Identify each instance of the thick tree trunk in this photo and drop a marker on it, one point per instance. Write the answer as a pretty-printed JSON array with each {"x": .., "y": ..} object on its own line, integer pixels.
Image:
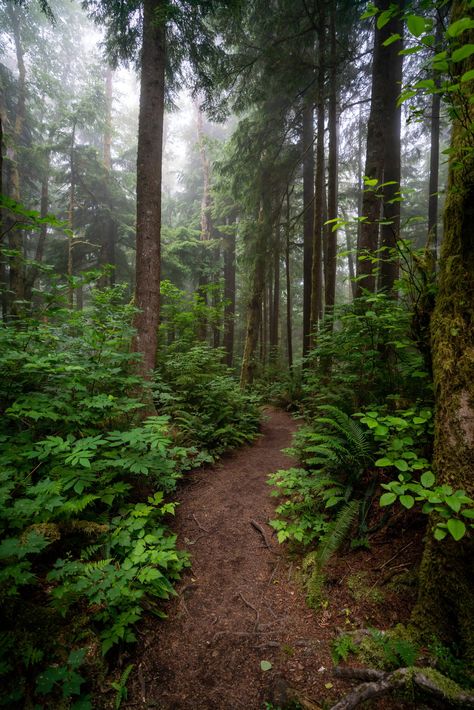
[
  {"x": 390, "y": 227},
  {"x": 317, "y": 262},
  {"x": 109, "y": 75},
  {"x": 308, "y": 220},
  {"x": 275, "y": 311},
  {"x": 331, "y": 239},
  {"x": 255, "y": 304},
  {"x": 432, "y": 240},
  {"x": 369, "y": 230},
  {"x": 15, "y": 237},
  {"x": 289, "y": 324},
  {"x": 206, "y": 222},
  {"x": 149, "y": 169},
  {"x": 33, "y": 271},
  {"x": 229, "y": 297},
  {"x": 107, "y": 252},
  {"x": 446, "y": 596}
]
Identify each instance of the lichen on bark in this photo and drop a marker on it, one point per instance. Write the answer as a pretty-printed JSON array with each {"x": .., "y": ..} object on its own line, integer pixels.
[{"x": 445, "y": 603}]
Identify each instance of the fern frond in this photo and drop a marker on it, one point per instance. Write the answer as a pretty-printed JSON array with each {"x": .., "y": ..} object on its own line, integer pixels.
[{"x": 336, "y": 534}]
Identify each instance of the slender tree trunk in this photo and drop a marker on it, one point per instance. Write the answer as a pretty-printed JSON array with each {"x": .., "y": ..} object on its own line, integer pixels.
[
  {"x": 390, "y": 227},
  {"x": 109, "y": 75},
  {"x": 3, "y": 275},
  {"x": 15, "y": 237},
  {"x": 254, "y": 308},
  {"x": 149, "y": 169},
  {"x": 229, "y": 296},
  {"x": 330, "y": 272},
  {"x": 316, "y": 267},
  {"x": 445, "y": 605},
  {"x": 432, "y": 240},
  {"x": 274, "y": 334},
  {"x": 206, "y": 222},
  {"x": 107, "y": 252},
  {"x": 369, "y": 230},
  {"x": 33, "y": 271},
  {"x": 308, "y": 220},
  {"x": 72, "y": 198},
  {"x": 289, "y": 328}
]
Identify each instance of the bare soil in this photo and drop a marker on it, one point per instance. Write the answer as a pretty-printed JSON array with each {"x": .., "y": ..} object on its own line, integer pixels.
[{"x": 242, "y": 601}]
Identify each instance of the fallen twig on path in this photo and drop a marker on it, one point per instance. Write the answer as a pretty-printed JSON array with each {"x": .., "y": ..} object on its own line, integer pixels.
[
  {"x": 199, "y": 524},
  {"x": 259, "y": 528},
  {"x": 251, "y": 606},
  {"x": 395, "y": 555}
]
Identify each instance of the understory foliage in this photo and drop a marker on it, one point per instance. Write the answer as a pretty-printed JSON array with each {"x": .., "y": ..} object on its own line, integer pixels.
[{"x": 84, "y": 483}]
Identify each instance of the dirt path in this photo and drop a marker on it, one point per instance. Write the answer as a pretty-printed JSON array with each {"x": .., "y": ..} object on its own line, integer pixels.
[{"x": 237, "y": 605}]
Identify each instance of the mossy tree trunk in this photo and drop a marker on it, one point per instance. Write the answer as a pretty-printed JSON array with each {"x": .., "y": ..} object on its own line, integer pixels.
[{"x": 445, "y": 603}]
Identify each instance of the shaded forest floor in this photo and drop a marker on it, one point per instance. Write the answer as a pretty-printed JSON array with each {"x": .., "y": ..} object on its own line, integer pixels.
[{"x": 241, "y": 601}]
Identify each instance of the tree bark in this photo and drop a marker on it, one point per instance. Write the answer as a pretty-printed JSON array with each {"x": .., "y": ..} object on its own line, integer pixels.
[
  {"x": 229, "y": 297},
  {"x": 33, "y": 271},
  {"x": 15, "y": 237},
  {"x": 316, "y": 267},
  {"x": 445, "y": 603},
  {"x": 289, "y": 325},
  {"x": 369, "y": 230},
  {"x": 206, "y": 222},
  {"x": 308, "y": 220},
  {"x": 432, "y": 240},
  {"x": 390, "y": 227},
  {"x": 274, "y": 331},
  {"x": 330, "y": 262},
  {"x": 255, "y": 304},
  {"x": 72, "y": 197},
  {"x": 149, "y": 170}
]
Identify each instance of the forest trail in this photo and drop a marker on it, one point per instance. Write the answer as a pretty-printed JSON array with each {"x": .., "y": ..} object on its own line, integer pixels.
[{"x": 237, "y": 604}]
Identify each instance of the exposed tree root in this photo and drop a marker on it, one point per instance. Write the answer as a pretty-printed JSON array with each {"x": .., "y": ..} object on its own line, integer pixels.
[{"x": 445, "y": 693}]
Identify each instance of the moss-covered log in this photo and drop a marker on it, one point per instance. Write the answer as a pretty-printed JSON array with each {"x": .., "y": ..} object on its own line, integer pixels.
[{"x": 446, "y": 597}]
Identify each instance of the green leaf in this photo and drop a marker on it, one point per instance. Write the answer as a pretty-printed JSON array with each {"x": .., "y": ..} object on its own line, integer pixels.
[
  {"x": 427, "y": 479},
  {"x": 462, "y": 53},
  {"x": 439, "y": 533},
  {"x": 467, "y": 76},
  {"x": 401, "y": 464},
  {"x": 457, "y": 528},
  {"x": 266, "y": 665},
  {"x": 387, "y": 499},
  {"x": 407, "y": 501},
  {"x": 384, "y": 18},
  {"x": 416, "y": 25},
  {"x": 384, "y": 461},
  {"x": 393, "y": 38},
  {"x": 469, "y": 513},
  {"x": 454, "y": 503},
  {"x": 458, "y": 27}
]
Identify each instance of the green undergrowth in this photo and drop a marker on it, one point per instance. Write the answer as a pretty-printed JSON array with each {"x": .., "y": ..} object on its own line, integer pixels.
[{"x": 85, "y": 487}]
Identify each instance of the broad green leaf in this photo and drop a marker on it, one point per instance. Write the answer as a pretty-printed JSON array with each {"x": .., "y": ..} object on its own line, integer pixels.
[
  {"x": 387, "y": 499},
  {"x": 401, "y": 464},
  {"x": 416, "y": 25},
  {"x": 469, "y": 513},
  {"x": 393, "y": 38},
  {"x": 462, "y": 53},
  {"x": 384, "y": 18},
  {"x": 384, "y": 462},
  {"x": 439, "y": 533},
  {"x": 458, "y": 27},
  {"x": 427, "y": 479},
  {"x": 457, "y": 528},
  {"x": 266, "y": 665},
  {"x": 467, "y": 76},
  {"x": 407, "y": 501},
  {"x": 454, "y": 503}
]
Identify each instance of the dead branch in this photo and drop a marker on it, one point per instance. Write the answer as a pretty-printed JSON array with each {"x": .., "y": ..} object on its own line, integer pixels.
[
  {"x": 381, "y": 683},
  {"x": 199, "y": 524},
  {"x": 259, "y": 528},
  {"x": 257, "y": 613}
]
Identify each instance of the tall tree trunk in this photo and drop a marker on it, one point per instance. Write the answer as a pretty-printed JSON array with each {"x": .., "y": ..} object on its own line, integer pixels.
[
  {"x": 330, "y": 271},
  {"x": 107, "y": 251},
  {"x": 3, "y": 274},
  {"x": 206, "y": 222},
  {"x": 432, "y": 240},
  {"x": 308, "y": 220},
  {"x": 255, "y": 304},
  {"x": 33, "y": 271},
  {"x": 316, "y": 267},
  {"x": 369, "y": 230},
  {"x": 445, "y": 605},
  {"x": 275, "y": 311},
  {"x": 15, "y": 237},
  {"x": 229, "y": 296},
  {"x": 390, "y": 227},
  {"x": 72, "y": 198},
  {"x": 289, "y": 328},
  {"x": 149, "y": 170}
]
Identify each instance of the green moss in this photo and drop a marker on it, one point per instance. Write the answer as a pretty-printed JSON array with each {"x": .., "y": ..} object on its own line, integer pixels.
[{"x": 361, "y": 590}]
